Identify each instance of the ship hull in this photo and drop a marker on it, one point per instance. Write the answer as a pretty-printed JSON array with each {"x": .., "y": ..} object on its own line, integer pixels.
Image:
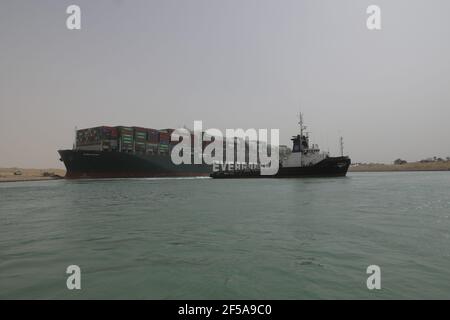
[
  {"x": 329, "y": 167},
  {"x": 106, "y": 164}
]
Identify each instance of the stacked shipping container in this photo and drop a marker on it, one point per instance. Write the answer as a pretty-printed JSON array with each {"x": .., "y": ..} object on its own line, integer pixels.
[
  {"x": 98, "y": 138},
  {"x": 124, "y": 139},
  {"x": 164, "y": 140},
  {"x": 91, "y": 136},
  {"x": 140, "y": 139},
  {"x": 152, "y": 141},
  {"x": 127, "y": 139},
  {"x": 109, "y": 138}
]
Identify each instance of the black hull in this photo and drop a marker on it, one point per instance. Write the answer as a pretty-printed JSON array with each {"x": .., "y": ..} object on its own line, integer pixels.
[
  {"x": 329, "y": 167},
  {"x": 107, "y": 164}
]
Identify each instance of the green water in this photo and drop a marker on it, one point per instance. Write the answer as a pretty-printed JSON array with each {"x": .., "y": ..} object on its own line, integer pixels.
[{"x": 237, "y": 239}]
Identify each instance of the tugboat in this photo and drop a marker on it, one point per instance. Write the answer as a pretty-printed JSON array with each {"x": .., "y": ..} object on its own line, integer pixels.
[{"x": 305, "y": 160}]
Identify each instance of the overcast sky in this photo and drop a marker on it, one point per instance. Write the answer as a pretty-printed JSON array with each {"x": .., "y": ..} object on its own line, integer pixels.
[{"x": 232, "y": 64}]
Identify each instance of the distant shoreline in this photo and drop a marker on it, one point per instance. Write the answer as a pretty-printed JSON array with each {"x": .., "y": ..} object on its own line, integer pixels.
[
  {"x": 27, "y": 175},
  {"x": 20, "y": 174},
  {"x": 413, "y": 166}
]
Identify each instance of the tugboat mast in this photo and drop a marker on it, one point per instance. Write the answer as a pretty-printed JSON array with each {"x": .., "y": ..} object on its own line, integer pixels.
[
  {"x": 300, "y": 123},
  {"x": 302, "y": 127}
]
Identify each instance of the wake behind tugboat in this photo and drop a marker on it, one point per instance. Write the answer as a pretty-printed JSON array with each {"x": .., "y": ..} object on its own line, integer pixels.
[{"x": 304, "y": 160}]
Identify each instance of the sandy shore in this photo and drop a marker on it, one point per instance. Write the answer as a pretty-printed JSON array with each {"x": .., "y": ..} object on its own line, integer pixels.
[
  {"x": 413, "y": 166},
  {"x": 19, "y": 174}
]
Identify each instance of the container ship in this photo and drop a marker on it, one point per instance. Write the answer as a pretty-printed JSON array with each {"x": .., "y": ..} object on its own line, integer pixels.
[
  {"x": 136, "y": 152},
  {"x": 125, "y": 152}
]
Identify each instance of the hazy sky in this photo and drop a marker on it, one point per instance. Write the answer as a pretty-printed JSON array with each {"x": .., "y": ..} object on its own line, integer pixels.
[{"x": 232, "y": 64}]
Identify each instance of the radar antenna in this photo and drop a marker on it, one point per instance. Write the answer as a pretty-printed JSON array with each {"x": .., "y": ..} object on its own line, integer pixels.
[
  {"x": 302, "y": 128},
  {"x": 300, "y": 123}
]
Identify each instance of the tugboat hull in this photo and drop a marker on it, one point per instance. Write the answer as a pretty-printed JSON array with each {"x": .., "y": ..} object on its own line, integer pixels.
[{"x": 329, "y": 167}]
